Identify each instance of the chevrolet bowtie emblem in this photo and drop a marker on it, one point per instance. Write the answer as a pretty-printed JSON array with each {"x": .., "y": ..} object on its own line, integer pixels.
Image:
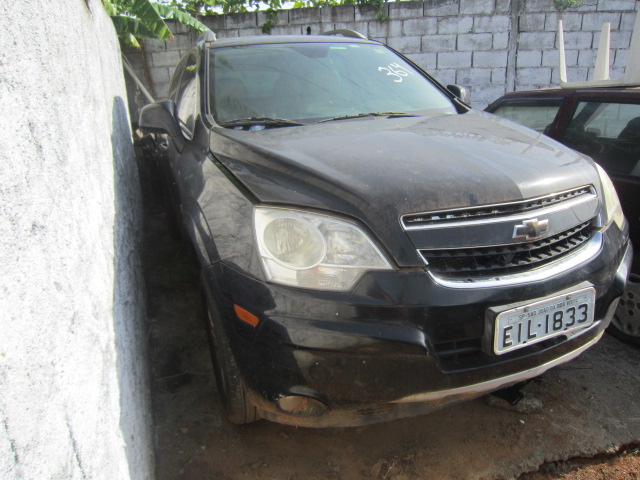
[{"x": 531, "y": 229}]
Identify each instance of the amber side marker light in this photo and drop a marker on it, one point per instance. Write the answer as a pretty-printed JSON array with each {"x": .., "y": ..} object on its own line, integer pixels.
[{"x": 246, "y": 316}]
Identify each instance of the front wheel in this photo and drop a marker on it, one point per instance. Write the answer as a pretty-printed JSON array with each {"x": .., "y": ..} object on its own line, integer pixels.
[
  {"x": 231, "y": 387},
  {"x": 625, "y": 324}
]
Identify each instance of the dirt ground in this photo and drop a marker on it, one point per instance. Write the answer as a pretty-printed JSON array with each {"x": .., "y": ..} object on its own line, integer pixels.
[
  {"x": 582, "y": 409},
  {"x": 623, "y": 465}
]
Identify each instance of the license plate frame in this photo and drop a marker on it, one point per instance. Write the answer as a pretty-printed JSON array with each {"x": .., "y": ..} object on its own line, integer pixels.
[{"x": 521, "y": 326}]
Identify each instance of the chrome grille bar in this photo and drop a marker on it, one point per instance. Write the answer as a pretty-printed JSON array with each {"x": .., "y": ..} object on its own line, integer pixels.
[
  {"x": 425, "y": 220},
  {"x": 508, "y": 259}
]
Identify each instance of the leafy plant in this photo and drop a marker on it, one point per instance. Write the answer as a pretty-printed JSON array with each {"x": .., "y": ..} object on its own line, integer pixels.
[
  {"x": 562, "y": 5},
  {"x": 134, "y": 19},
  {"x": 212, "y": 7},
  {"x": 378, "y": 5},
  {"x": 268, "y": 25}
]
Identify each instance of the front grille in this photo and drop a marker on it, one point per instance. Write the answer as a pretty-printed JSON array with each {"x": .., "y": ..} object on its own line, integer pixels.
[
  {"x": 424, "y": 220},
  {"x": 507, "y": 259},
  {"x": 457, "y": 349},
  {"x": 468, "y": 354}
]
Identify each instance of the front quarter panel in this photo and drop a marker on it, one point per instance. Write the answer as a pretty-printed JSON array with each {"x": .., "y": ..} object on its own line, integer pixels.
[
  {"x": 215, "y": 212},
  {"x": 229, "y": 214}
]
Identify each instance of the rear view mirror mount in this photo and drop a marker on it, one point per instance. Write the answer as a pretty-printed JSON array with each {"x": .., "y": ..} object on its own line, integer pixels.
[{"x": 462, "y": 93}]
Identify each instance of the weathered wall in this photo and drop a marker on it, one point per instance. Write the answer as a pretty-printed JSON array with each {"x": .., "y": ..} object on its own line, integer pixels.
[
  {"x": 492, "y": 46},
  {"x": 74, "y": 389}
]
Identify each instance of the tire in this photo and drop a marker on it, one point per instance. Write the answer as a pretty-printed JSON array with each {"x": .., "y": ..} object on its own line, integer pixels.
[
  {"x": 625, "y": 324},
  {"x": 231, "y": 387}
]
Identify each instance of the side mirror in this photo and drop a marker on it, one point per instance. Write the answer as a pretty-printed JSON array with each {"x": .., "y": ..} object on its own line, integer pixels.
[
  {"x": 160, "y": 117},
  {"x": 463, "y": 93}
]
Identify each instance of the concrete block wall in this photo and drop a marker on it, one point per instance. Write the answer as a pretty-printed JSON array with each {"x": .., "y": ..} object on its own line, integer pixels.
[
  {"x": 491, "y": 46},
  {"x": 74, "y": 384}
]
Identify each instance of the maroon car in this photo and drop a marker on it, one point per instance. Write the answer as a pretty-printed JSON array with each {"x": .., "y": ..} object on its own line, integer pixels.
[{"x": 603, "y": 123}]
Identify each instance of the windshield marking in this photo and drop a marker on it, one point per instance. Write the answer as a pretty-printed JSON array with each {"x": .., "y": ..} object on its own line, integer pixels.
[{"x": 393, "y": 69}]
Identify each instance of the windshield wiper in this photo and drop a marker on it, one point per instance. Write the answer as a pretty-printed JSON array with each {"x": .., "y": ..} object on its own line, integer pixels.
[
  {"x": 370, "y": 114},
  {"x": 266, "y": 121}
]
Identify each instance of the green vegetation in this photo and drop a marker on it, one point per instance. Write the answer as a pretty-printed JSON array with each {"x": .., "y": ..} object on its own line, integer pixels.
[
  {"x": 211, "y": 7},
  {"x": 136, "y": 19},
  {"x": 562, "y": 5}
]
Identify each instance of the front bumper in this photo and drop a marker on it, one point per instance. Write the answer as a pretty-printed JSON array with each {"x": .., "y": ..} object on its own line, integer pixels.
[{"x": 398, "y": 345}]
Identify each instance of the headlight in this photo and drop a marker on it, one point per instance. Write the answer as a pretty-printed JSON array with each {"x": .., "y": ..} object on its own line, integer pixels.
[
  {"x": 314, "y": 251},
  {"x": 613, "y": 210}
]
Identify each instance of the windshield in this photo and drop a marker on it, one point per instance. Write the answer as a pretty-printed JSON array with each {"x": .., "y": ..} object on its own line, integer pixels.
[{"x": 306, "y": 82}]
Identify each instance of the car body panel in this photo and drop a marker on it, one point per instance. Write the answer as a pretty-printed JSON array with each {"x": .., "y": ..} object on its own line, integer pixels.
[
  {"x": 389, "y": 340},
  {"x": 376, "y": 170}
]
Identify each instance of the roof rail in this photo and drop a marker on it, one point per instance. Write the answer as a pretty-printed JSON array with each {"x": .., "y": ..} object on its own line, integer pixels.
[
  {"x": 345, "y": 32},
  {"x": 601, "y": 76}
]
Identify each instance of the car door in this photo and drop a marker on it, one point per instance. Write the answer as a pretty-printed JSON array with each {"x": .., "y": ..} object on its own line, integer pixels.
[
  {"x": 184, "y": 92},
  {"x": 539, "y": 114},
  {"x": 608, "y": 130}
]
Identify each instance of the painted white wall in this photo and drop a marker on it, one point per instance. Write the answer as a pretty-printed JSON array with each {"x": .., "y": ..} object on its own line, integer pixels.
[{"x": 74, "y": 387}]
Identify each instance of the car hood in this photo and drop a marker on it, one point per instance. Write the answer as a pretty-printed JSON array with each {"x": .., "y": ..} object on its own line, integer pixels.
[{"x": 377, "y": 169}]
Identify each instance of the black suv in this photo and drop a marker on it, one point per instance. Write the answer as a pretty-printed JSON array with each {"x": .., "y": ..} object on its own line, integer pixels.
[{"x": 371, "y": 247}]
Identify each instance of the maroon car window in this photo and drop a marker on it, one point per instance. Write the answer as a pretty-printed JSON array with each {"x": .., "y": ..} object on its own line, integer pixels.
[
  {"x": 609, "y": 133},
  {"x": 535, "y": 115}
]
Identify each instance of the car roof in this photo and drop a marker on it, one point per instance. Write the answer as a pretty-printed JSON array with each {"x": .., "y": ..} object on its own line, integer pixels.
[
  {"x": 557, "y": 91},
  {"x": 276, "y": 39}
]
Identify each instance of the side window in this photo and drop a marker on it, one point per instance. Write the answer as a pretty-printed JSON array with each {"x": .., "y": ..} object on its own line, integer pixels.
[
  {"x": 187, "y": 106},
  {"x": 536, "y": 115},
  {"x": 187, "y": 96},
  {"x": 609, "y": 132},
  {"x": 176, "y": 77}
]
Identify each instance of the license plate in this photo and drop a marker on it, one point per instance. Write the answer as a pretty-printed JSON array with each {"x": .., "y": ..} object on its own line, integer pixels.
[{"x": 533, "y": 323}]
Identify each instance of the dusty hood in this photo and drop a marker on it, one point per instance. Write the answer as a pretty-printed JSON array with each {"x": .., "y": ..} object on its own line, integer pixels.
[{"x": 377, "y": 169}]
